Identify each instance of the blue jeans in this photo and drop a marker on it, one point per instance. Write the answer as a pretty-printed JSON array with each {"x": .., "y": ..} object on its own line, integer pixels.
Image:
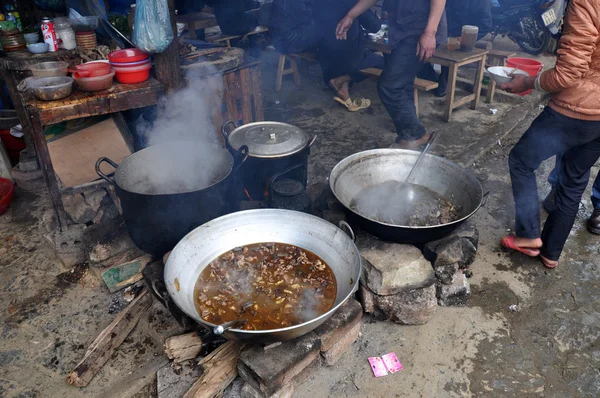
[
  {"x": 553, "y": 179},
  {"x": 552, "y": 133},
  {"x": 395, "y": 87}
]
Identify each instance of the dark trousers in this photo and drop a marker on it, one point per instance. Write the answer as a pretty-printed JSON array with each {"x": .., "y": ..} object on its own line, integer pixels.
[
  {"x": 552, "y": 133},
  {"x": 395, "y": 87},
  {"x": 553, "y": 178}
]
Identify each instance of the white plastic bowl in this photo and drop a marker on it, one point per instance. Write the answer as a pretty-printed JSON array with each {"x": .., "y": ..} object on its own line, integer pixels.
[{"x": 500, "y": 74}]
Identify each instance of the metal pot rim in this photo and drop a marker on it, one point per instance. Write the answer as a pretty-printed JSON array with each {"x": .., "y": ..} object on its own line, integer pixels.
[
  {"x": 172, "y": 143},
  {"x": 316, "y": 219},
  {"x": 384, "y": 151}
]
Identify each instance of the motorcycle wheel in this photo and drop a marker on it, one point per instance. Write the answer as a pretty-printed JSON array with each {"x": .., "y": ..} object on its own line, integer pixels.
[{"x": 535, "y": 38}]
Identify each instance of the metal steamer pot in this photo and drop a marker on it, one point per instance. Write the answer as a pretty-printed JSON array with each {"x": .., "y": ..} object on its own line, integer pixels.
[
  {"x": 167, "y": 190},
  {"x": 206, "y": 243},
  {"x": 273, "y": 147},
  {"x": 376, "y": 166}
]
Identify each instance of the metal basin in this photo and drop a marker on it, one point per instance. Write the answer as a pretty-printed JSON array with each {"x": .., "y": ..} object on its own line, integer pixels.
[
  {"x": 440, "y": 175},
  {"x": 197, "y": 249}
]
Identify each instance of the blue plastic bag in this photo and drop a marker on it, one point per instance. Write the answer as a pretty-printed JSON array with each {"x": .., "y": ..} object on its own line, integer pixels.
[{"x": 152, "y": 31}]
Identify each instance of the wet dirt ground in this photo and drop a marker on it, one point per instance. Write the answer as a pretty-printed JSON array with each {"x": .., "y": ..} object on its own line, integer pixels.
[{"x": 549, "y": 347}]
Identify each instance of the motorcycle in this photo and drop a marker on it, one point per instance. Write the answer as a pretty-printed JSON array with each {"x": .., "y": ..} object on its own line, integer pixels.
[{"x": 530, "y": 23}]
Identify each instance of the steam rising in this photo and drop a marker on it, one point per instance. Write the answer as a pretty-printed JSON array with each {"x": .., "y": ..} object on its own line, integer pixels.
[{"x": 184, "y": 153}]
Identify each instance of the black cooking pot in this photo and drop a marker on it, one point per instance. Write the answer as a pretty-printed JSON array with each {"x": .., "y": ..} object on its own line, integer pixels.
[
  {"x": 272, "y": 148},
  {"x": 169, "y": 189}
]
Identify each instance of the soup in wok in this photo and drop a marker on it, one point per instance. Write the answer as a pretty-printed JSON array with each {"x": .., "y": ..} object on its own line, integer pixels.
[{"x": 270, "y": 285}]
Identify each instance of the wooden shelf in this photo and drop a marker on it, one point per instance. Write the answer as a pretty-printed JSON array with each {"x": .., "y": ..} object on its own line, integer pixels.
[{"x": 120, "y": 97}]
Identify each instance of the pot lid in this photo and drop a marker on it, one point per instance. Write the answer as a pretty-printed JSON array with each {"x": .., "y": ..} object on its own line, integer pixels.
[{"x": 269, "y": 139}]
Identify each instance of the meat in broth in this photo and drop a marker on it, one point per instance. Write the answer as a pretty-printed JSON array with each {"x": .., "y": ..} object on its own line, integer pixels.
[{"x": 271, "y": 285}]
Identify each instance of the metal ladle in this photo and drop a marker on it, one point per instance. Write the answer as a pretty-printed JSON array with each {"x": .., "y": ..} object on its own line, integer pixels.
[{"x": 407, "y": 188}]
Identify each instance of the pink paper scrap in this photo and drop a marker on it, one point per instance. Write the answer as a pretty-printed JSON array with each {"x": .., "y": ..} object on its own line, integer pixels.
[
  {"x": 391, "y": 362},
  {"x": 377, "y": 366}
]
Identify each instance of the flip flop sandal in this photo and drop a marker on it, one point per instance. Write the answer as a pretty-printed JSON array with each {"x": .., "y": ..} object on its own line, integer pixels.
[
  {"x": 547, "y": 264},
  {"x": 355, "y": 105},
  {"x": 508, "y": 242}
]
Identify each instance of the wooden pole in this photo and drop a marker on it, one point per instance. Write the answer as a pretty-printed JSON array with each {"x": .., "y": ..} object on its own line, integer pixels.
[{"x": 168, "y": 70}]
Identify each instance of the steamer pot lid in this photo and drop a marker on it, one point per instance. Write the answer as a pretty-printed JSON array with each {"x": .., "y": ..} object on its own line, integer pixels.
[{"x": 269, "y": 139}]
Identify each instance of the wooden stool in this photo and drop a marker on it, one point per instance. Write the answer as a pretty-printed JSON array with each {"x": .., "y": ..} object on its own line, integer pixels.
[
  {"x": 454, "y": 60},
  {"x": 420, "y": 84},
  {"x": 496, "y": 58},
  {"x": 282, "y": 71}
]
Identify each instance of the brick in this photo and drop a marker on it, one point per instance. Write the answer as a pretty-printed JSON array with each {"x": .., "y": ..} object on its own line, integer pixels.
[
  {"x": 342, "y": 321},
  {"x": 339, "y": 348},
  {"x": 268, "y": 371}
]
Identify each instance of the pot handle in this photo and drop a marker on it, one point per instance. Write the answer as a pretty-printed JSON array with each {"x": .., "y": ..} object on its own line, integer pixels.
[
  {"x": 224, "y": 128},
  {"x": 100, "y": 173},
  {"x": 312, "y": 141},
  {"x": 485, "y": 198},
  {"x": 242, "y": 154},
  {"x": 344, "y": 226}
]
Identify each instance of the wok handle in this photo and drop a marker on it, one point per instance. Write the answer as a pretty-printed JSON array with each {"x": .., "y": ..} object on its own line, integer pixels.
[
  {"x": 485, "y": 198},
  {"x": 224, "y": 128},
  {"x": 100, "y": 173},
  {"x": 220, "y": 329},
  {"x": 312, "y": 141},
  {"x": 242, "y": 154},
  {"x": 344, "y": 226}
]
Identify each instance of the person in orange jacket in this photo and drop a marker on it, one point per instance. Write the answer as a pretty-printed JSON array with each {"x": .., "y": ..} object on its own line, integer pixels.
[{"x": 569, "y": 125}]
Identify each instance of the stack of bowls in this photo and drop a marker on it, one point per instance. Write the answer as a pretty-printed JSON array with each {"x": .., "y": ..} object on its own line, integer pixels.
[
  {"x": 93, "y": 76},
  {"x": 131, "y": 65},
  {"x": 12, "y": 40},
  {"x": 86, "y": 40}
]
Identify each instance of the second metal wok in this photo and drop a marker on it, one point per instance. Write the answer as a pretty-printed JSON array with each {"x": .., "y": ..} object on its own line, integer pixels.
[
  {"x": 201, "y": 246},
  {"x": 440, "y": 175}
]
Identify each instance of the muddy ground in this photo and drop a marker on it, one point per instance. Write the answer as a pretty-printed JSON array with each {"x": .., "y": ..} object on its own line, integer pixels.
[{"x": 549, "y": 347}]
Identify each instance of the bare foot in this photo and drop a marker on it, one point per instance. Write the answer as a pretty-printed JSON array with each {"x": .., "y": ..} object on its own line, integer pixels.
[
  {"x": 549, "y": 263},
  {"x": 528, "y": 243},
  {"x": 404, "y": 144},
  {"x": 341, "y": 86}
]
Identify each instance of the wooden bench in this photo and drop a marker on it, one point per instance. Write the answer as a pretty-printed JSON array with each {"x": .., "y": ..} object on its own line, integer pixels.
[
  {"x": 420, "y": 84},
  {"x": 496, "y": 58},
  {"x": 223, "y": 38}
]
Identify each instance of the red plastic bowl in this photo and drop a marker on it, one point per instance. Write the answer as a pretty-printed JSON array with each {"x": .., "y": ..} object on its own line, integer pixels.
[
  {"x": 6, "y": 193},
  {"x": 128, "y": 55},
  {"x": 133, "y": 75},
  {"x": 528, "y": 65},
  {"x": 91, "y": 70}
]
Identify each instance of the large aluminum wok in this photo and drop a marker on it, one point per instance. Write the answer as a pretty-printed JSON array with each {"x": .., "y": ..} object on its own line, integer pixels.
[
  {"x": 376, "y": 166},
  {"x": 197, "y": 249}
]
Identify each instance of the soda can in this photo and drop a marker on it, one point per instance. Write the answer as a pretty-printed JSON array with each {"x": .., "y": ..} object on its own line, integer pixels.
[{"x": 49, "y": 34}]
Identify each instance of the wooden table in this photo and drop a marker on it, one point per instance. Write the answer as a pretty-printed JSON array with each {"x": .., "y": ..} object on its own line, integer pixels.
[
  {"x": 120, "y": 97},
  {"x": 14, "y": 67},
  {"x": 197, "y": 20},
  {"x": 454, "y": 60}
]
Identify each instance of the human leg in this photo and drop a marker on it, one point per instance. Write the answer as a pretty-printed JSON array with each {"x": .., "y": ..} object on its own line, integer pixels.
[
  {"x": 573, "y": 179},
  {"x": 395, "y": 87}
]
